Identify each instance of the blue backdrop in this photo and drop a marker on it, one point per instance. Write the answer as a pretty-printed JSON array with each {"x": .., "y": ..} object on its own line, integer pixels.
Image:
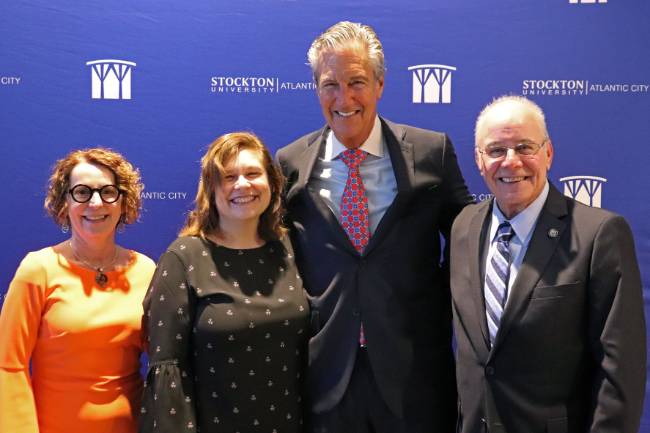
[{"x": 159, "y": 80}]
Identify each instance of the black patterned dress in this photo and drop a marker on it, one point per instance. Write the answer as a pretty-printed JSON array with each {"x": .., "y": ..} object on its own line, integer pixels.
[{"x": 227, "y": 332}]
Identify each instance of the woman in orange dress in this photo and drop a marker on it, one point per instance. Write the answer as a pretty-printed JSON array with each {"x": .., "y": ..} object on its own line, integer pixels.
[{"x": 74, "y": 309}]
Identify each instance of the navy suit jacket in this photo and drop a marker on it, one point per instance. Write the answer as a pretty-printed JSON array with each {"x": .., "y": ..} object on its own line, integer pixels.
[
  {"x": 570, "y": 352},
  {"x": 398, "y": 287}
]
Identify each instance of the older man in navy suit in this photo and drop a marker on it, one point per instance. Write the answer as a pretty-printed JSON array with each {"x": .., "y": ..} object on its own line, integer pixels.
[{"x": 548, "y": 310}]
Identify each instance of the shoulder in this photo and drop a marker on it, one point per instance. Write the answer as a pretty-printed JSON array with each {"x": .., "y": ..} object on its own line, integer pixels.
[
  {"x": 294, "y": 149},
  {"x": 414, "y": 134},
  {"x": 283, "y": 244},
  {"x": 37, "y": 262},
  {"x": 586, "y": 218},
  {"x": 181, "y": 253},
  {"x": 35, "y": 269},
  {"x": 431, "y": 150},
  {"x": 608, "y": 242},
  {"x": 462, "y": 222},
  {"x": 464, "y": 218},
  {"x": 184, "y": 246},
  {"x": 142, "y": 261}
]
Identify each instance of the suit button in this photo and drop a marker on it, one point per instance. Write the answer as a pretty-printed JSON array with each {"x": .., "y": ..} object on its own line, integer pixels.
[
  {"x": 489, "y": 371},
  {"x": 356, "y": 312}
]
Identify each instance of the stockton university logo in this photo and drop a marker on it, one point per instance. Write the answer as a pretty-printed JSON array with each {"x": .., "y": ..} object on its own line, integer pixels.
[
  {"x": 585, "y": 189},
  {"x": 111, "y": 79},
  {"x": 432, "y": 84}
]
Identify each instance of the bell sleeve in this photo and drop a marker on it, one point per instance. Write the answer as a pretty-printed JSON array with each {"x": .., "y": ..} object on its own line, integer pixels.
[
  {"x": 19, "y": 323},
  {"x": 168, "y": 399}
]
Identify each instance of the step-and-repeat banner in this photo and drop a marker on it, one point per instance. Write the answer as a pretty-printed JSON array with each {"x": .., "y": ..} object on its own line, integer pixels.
[{"x": 159, "y": 80}]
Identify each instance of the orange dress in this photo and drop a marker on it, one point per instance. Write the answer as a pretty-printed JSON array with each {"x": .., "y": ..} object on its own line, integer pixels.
[{"x": 83, "y": 342}]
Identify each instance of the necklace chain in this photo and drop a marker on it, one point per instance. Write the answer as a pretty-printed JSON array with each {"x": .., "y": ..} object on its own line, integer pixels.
[{"x": 100, "y": 277}]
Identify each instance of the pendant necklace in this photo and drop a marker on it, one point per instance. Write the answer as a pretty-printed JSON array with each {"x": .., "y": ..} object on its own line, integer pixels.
[{"x": 100, "y": 276}]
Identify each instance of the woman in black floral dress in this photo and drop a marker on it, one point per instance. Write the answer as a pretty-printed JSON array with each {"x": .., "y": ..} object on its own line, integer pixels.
[{"x": 226, "y": 315}]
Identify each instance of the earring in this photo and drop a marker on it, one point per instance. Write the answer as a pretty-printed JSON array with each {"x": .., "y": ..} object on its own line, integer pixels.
[
  {"x": 121, "y": 225},
  {"x": 65, "y": 228}
]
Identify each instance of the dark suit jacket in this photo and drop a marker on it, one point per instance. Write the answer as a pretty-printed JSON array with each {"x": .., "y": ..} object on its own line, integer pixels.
[
  {"x": 397, "y": 287},
  {"x": 570, "y": 353}
]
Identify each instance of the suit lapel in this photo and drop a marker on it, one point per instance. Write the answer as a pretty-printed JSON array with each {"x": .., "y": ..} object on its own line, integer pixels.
[
  {"x": 309, "y": 158},
  {"x": 307, "y": 162},
  {"x": 542, "y": 246},
  {"x": 401, "y": 158},
  {"x": 401, "y": 155}
]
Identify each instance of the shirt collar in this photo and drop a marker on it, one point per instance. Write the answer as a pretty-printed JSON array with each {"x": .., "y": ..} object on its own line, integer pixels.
[
  {"x": 373, "y": 144},
  {"x": 522, "y": 223}
]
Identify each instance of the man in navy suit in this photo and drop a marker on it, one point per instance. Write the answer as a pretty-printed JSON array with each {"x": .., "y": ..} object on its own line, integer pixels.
[
  {"x": 548, "y": 309},
  {"x": 367, "y": 241}
]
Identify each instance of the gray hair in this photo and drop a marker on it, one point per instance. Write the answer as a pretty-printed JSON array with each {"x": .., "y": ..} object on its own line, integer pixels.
[
  {"x": 344, "y": 34},
  {"x": 534, "y": 109}
]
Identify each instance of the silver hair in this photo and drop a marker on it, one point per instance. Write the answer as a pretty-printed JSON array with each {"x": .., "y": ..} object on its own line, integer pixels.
[
  {"x": 344, "y": 34},
  {"x": 535, "y": 110}
]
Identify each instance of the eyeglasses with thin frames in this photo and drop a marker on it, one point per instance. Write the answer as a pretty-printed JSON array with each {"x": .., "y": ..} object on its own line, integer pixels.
[
  {"x": 525, "y": 149},
  {"x": 83, "y": 193}
]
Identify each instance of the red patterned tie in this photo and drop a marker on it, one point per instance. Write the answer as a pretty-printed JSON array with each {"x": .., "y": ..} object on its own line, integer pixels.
[
  {"x": 354, "y": 208},
  {"x": 354, "y": 203}
]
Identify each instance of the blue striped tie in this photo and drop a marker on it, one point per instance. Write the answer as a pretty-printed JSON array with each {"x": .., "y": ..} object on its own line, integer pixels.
[{"x": 496, "y": 279}]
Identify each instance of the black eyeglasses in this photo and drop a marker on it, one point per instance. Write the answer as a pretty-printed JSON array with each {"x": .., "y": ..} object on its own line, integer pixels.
[
  {"x": 83, "y": 193},
  {"x": 524, "y": 149}
]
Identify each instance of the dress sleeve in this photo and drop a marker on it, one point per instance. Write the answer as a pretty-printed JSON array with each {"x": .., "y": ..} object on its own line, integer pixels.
[
  {"x": 19, "y": 323},
  {"x": 168, "y": 399}
]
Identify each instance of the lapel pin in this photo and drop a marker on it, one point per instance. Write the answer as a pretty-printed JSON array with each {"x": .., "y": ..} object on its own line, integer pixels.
[{"x": 553, "y": 233}]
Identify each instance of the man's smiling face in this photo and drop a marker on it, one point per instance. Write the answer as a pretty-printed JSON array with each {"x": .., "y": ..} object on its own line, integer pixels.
[
  {"x": 348, "y": 92},
  {"x": 515, "y": 180}
]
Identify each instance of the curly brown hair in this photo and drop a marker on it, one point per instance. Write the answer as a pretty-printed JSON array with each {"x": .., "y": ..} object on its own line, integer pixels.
[
  {"x": 127, "y": 179},
  {"x": 204, "y": 219}
]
